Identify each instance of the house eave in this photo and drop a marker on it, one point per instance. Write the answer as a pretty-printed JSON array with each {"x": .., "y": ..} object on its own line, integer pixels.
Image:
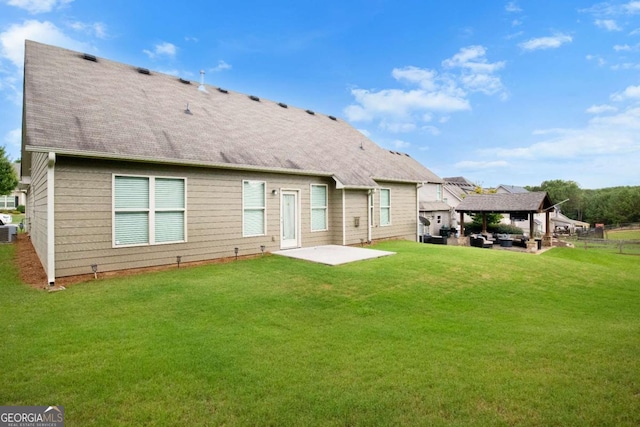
[{"x": 175, "y": 162}]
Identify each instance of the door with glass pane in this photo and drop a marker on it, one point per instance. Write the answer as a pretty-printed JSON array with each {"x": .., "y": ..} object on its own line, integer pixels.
[{"x": 289, "y": 220}]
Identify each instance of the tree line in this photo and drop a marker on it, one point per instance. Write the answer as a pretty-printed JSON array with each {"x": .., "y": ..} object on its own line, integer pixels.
[{"x": 610, "y": 206}]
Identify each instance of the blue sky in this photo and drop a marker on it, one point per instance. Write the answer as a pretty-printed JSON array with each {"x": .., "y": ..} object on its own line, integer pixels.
[{"x": 500, "y": 92}]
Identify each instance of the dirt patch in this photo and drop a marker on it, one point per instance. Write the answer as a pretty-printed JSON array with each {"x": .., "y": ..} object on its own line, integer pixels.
[{"x": 31, "y": 271}]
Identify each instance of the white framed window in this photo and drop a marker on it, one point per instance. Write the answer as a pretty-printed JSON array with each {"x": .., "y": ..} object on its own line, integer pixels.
[
  {"x": 319, "y": 207},
  {"x": 385, "y": 206},
  {"x": 254, "y": 208},
  {"x": 148, "y": 210},
  {"x": 438, "y": 192},
  {"x": 7, "y": 202}
]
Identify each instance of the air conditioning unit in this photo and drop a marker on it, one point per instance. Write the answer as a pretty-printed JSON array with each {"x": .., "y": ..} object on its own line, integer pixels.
[{"x": 8, "y": 233}]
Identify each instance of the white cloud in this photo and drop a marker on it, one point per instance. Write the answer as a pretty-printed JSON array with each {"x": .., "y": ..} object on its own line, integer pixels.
[
  {"x": 599, "y": 109},
  {"x": 473, "y": 58},
  {"x": 399, "y": 103},
  {"x": 514, "y": 35},
  {"x": 97, "y": 29},
  {"x": 400, "y": 145},
  {"x": 613, "y": 9},
  {"x": 221, "y": 66},
  {"x": 603, "y": 136},
  {"x": 12, "y": 40},
  {"x": 432, "y": 130},
  {"x": 512, "y": 7},
  {"x": 397, "y": 127},
  {"x": 13, "y": 138},
  {"x": 38, "y": 6},
  {"x": 476, "y": 165},
  {"x": 162, "y": 49},
  {"x": 621, "y": 47},
  {"x": 607, "y": 24},
  {"x": 433, "y": 92},
  {"x": 423, "y": 77},
  {"x": 625, "y": 66},
  {"x": 596, "y": 58},
  {"x": 551, "y": 42},
  {"x": 631, "y": 92},
  {"x": 632, "y": 7}
]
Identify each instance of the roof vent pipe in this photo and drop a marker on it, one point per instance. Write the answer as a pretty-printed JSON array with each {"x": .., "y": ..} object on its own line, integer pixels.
[{"x": 201, "y": 88}]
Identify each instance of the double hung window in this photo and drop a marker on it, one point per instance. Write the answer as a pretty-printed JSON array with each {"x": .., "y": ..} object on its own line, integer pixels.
[{"x": 148, "y": 210}]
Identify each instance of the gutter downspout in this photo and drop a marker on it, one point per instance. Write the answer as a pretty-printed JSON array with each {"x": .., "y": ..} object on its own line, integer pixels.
[
  {"x": 418, "y": 187},
  {"x": 370, "y": 204},
  {"x": 344, "y": 218},
  {"x": 51, "y": 223}
]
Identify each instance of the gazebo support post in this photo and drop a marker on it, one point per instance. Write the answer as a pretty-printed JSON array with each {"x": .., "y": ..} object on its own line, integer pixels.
[
  {"x": 484, "y": 223},
  {"x": 532, "y": 245},
  {"x": 462, "y": 241},
  {"x": 547, "y": 235}
]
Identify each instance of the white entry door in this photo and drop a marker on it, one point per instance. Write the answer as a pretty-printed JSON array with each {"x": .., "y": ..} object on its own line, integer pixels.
[{"x": 289, "y": 220}]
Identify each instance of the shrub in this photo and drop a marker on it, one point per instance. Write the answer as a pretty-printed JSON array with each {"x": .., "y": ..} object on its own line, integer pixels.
[{"x": 20, "y": 208}]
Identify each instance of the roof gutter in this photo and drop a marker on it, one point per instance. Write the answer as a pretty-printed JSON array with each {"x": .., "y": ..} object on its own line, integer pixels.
[{"x": 175, "y": 162}]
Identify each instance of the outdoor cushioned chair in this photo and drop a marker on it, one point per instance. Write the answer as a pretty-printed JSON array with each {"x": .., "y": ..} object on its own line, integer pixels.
[{"x": 480, "y": 242}]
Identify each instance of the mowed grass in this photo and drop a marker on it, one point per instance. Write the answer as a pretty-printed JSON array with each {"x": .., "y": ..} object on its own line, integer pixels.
[
  {"x": 623, "y": 234},
  {"x": 434, "y": 335}
]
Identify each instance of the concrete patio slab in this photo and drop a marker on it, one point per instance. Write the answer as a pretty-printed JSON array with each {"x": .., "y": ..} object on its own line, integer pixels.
[{"x": 333, "y": 254}]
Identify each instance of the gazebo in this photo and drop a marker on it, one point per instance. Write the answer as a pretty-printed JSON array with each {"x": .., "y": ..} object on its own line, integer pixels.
[{"x": 523, "y": 205}]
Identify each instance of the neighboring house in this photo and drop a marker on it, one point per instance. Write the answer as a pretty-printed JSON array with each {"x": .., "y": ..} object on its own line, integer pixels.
[
  {"x": 433, "y": 207},
  {"x": 560, "y": 223},
  {"x": 510, "y": 189},
  {"x": 130, "y": 168},
  {"x": 454, "y": 190},
  {"x": 17, "y": 197}
]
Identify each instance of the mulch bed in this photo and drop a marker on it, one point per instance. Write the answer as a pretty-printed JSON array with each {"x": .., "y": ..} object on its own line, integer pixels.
[
  {"x": 31, "y": 271},
  {"x": 33, "y": 274}
]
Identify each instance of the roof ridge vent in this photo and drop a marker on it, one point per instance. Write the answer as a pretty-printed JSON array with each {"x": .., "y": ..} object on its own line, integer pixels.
[
  {"x": 310, "y": 112},
  {"x": 144, "y": 71},
  {"x": 222, "y": 90},
  {"x": 283, "y": 105},
  {"x": 333, "y": 118},
  {"x": 254, "y": 98},
  {"x": 187, "y": 82},
  {"x": 89, "y": 57}
]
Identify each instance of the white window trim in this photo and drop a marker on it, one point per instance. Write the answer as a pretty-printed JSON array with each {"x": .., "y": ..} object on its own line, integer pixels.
[
  {"x": 385, "y": 207},
  {"x": 151, "y": 210},
  {"x": 6, "y": 199},
  {"x": 325, "y": 207},
  {"x": 264, "y": 208}
]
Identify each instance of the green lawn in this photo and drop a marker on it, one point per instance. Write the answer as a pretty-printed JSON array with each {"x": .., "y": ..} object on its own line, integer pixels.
[
  {"x": 435, "y": 335},
  {"x": 623, "y": 234}
]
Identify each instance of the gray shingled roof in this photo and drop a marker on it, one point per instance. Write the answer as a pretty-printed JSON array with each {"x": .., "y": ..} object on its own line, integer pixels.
[
  {"x": 505, "y": 202},
  {"x": 107, "y": 109},
  {"x": 513, "y": 188}
]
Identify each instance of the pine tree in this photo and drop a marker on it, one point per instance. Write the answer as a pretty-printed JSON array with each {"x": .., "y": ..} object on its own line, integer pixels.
[{"x": 8, "y": 178}]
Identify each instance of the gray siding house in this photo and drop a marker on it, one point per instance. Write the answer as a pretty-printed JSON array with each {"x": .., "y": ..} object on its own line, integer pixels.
[{"x": 129, "y": 168}]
